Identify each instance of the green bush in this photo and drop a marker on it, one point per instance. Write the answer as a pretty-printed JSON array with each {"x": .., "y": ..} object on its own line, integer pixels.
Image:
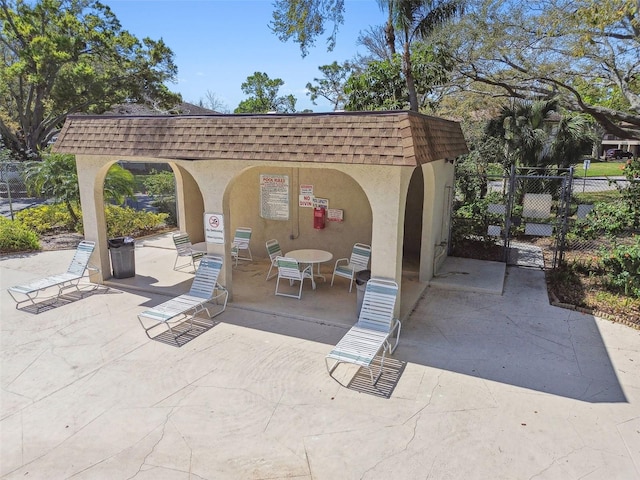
[
  {"x": 48, "y": 218},
  {"x": 606, "y": 218},
  {"x": 622, "y": 268},
  {"x": 15, "y": 237},
  {"x": 125, "y": 221},
  {"x": 121, "y": 221}
]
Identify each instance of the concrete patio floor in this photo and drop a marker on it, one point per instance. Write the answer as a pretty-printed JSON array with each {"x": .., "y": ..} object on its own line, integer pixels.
[{"x": 482, "y": 386}]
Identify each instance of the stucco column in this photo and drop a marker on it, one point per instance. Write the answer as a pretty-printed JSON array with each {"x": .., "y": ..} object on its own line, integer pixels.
[
  {"x": 91, "y": 175},
  {"x": 435, "y": 215}
]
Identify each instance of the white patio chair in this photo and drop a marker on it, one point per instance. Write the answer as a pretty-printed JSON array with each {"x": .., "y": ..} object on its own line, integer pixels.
[
  {"x": 348, "y": 267},
  {"x": 289, "y": 269},
  {"x": 204, "y": 289},
  {"x": 274, "y": 251},
  {"x": 70, "y": 279},
  {"x": 241, "y": 241},
  {"x": 184, "y": 249},
  {"x": 372, "y": 331}
]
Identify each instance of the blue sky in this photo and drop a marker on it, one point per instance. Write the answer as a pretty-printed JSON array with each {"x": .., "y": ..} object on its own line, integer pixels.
[{"x": 219, "y": 43}]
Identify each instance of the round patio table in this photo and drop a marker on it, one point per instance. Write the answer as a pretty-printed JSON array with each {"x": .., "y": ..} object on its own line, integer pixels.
[{"x": 311, "y": 256}]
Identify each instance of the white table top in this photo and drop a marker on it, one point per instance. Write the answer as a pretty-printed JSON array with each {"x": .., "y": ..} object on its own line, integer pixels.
[{"x": 310, "y": 255}]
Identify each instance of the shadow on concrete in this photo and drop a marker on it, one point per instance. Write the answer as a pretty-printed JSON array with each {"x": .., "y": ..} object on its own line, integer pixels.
[
  {"x": 52, "y": 303},
  {"x": 505, "y": 331},
  {"x": 185, "y": 331}
]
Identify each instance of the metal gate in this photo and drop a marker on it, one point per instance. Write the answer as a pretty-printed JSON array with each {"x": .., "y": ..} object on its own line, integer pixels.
[
  {"x": 525, "y": 214},
  {"x": 536, "y": 214}
]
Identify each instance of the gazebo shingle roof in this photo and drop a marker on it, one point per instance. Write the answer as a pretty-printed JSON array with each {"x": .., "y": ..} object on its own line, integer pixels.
[{"x": 375, "y": 138}]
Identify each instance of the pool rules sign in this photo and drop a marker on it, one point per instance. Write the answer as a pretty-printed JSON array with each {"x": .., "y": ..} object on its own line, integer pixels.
[{"x": 274, "y": 197}]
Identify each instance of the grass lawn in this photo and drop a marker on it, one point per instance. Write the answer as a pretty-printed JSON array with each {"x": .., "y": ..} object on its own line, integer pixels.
[{"x": 599, "y": 169}]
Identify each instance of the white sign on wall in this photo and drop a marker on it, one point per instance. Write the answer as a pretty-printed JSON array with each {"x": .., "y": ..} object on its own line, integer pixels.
[
  {"x": 306, "y": 190},
  {"x": 214, "y": 228},
  {"x": 274, "y": 197},
  {"x": 321, "y": 203},
  {"x": 305, "y": 201}
]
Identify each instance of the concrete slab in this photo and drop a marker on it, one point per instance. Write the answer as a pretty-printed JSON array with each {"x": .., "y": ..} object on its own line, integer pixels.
[
  {"x": 469, "y": 275},
  {"x": 481, "y": 386}
]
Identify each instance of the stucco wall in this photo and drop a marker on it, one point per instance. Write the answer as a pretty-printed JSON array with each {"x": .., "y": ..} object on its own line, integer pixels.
[{"x": 297, "y": 232}]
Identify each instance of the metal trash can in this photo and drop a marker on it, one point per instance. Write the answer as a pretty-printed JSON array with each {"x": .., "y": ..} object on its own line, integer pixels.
[
  {"x": 123, "y": 256},
  {"x": 362, "y": 277}
]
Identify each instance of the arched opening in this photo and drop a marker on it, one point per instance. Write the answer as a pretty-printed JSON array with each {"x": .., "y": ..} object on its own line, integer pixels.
[
  {"x": 412, "y": 244},
  {"x": 289, "y": 220}
]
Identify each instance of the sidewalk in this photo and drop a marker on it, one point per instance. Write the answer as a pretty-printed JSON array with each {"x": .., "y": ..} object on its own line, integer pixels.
[{"x": 481, "y": 386}]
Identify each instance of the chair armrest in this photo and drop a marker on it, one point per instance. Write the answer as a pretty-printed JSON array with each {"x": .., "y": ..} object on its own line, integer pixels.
[{"x": 342, "y": 260}]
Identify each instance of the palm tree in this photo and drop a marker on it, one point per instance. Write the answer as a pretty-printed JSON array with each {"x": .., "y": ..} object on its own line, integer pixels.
[{"x": 415, "y": 19}]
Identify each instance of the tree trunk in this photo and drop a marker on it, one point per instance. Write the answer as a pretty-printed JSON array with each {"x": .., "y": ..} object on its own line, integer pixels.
[{"x": 408, "y": 75}]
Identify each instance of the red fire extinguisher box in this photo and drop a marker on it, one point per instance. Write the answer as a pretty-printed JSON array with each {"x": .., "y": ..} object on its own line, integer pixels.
[{"x": 318, "y": 218}]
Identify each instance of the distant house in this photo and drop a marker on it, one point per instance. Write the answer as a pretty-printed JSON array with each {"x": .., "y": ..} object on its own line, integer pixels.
[{"x": 626, "y": 144}]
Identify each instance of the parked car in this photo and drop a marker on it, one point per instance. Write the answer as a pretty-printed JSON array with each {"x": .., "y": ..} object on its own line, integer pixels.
[{"x": 618, "y": 154}]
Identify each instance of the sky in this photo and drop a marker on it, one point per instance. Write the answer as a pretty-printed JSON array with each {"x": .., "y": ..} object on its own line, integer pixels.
[{"x": 217, "y": 44}]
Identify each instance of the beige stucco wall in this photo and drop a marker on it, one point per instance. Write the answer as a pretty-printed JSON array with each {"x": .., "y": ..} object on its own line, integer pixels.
[{"x": 438, "y": 195}]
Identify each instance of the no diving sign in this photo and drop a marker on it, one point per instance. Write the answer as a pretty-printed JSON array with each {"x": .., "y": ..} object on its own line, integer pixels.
[{"x": 214, "y": 228}]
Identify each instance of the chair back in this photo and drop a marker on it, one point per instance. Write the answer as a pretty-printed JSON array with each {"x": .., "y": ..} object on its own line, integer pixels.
[
  {"x": 242, "y": 237},
  {"x": 182, "y": 242},
  {"x": 206, "y": 279},
  {"x": 288, "y": 268},
  {"x": 360, "y": 256},
  {"x": 378, "y": 305},
  {"x": 80, "y": 260},
  {"x": 273, "y": 249}
]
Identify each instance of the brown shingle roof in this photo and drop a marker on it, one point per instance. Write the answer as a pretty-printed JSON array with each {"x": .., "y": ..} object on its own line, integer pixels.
[{"x": 380, "y": 138}]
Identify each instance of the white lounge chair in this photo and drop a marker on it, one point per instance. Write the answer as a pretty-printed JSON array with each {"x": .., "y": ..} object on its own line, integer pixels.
[
  {"x": 274, "y": 251},
  {"x": 289, "y": 269},
  {"x": 184, "y": 249},
  {"x": 70, "y": 279},
  {"x": 348, "y": 267},
  {"x": 372, "y": 331},
  {"x": 204, "y": 289}
]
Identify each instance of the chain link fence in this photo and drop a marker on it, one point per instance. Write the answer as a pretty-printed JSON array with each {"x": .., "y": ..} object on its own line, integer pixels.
[{"x": 542, "y": 218}]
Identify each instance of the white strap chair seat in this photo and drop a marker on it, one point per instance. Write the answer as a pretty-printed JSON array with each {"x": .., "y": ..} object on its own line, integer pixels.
[
  {"x": 289, "y": 269},
  {"x": 241, "y": 241},
  {"x": 184, "y": 249},
  {"x": 372, "y": 332},
  {"x": 204, "y": 289},
  {"x": 70, "y": 279},
  {"x": 348, "y": 267},
  {"x": 274, "y": 251}
]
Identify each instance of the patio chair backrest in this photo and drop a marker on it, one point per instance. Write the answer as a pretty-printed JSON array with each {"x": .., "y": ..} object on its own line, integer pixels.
[
  {"x": 360, "y": 255},
  {"x": 273, "y": 249},
  {"x": 182, "y": 242},
  {"x": 288, "y": 268},
  {"x": 378, "y": 305},
  {"x": 242, "y": 237},
  {"x": 206, "y": 279},
  {"x": 80, "y": 260}
]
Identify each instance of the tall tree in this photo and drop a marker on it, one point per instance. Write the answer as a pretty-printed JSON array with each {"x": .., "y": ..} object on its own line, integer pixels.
[
  {"x": 582, "y": 52},
  {"x": 263, "y": 96},
  {"x": 416, "y": 20},
  {"x": 381, "y": 84},
  {"x": 59, "y": 57},
  {"x": 536, "y": 134},
  {"x": 331, "y": 86}
]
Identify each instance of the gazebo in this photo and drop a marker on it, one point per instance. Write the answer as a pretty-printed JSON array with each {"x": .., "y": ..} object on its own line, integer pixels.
[{"x": 385, "y": 178}]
